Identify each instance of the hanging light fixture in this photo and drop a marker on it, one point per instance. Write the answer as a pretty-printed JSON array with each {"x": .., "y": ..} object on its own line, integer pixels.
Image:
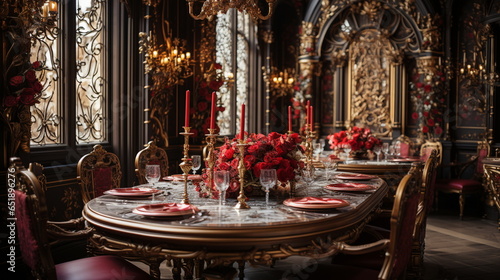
[
  {"x": 210, "y": 8},
  {"x": 166, "y": 60}
]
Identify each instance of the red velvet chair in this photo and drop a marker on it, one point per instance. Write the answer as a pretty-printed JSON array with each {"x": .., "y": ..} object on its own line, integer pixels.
[
  {"x": 385, "y": 258},
  {"x": 31, "y": 215},
  {"x": 464, "y": 186},
  {"x": 97, "y": 172}
]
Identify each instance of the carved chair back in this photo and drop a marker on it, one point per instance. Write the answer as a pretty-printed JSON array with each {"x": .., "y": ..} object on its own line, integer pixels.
[
  {"x": 427, "y": 148},
  {"x": 97, "y": 172},
  {"x": 151, "y": 154}
]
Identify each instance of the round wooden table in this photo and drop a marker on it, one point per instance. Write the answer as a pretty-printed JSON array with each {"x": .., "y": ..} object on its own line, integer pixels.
[{"x": 222, "y": 235}]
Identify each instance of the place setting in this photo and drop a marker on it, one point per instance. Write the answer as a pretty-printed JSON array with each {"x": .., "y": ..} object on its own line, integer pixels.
[
  {"x": 134, "y": 192},
  {"x": 354, "y": 176},
  {"x": 170, "y": 210}
]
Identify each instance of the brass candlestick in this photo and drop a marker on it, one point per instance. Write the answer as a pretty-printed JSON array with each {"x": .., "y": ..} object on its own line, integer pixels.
[
  {"x": 186, "y": 164},
  {"x": 242, "y": 204},
  {"x": 210, "y": 158},
  {"x": 308, "y": 146}
]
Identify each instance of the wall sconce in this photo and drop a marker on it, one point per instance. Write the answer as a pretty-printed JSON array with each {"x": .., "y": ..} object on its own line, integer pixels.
[
  {"x": 282, "y": 82},
  {"x": 477, "y": 71},
  {"x": 210, "y": 8},
  {"x": 49, "y": 12}
]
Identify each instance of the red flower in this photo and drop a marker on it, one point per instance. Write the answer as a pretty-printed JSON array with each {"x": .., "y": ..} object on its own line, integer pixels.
[
  {"x": 16, "y": 81},
  {"x": 427, "y": 88},
  {"x": 425, "y": 129},
  {"x": 30, "y": 76},
  {"x": 438, "y": 130},
  {"x": 414, "y": 115},
  {"x": 430, "y": 122},
  {"x": 36, "y": 65},
  {"x": 28, "y": 99}
]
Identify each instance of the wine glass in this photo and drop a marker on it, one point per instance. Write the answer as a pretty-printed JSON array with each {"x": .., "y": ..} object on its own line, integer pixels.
[
  {"x": 268, "y": 179},
  {"x": 377, "y": 149},
  {"x": 221, "y": 180},
  {"x": 331, "y": 167},
  {"x": 307, "y": 174},
  {"x": 347, "y": 149},
  {"x": 153, "y": 175},
  {"x": 196, "y": 161},
  {"x": 385, "y": 149},
  {"x": 317, "y": 150}
]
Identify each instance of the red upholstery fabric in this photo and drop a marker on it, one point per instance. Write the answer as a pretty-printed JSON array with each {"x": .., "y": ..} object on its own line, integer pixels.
[
  {"x": 27, "y": 241},
  {"x": 100, "y": 268},
  {"x": 426, "y": 153},
  {"x": 404, "y": 149},
  {"x": 459, "y": 184},
  {"x": 102, "y": 179}
]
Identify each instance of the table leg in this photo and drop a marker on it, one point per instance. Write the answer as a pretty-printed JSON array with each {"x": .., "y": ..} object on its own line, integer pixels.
[
  {"x": 188, "y": 267},
  {"x": 176, "y": 269},
  {"x": 241, "y": 268},
  {"x": 154, "y": 268}
]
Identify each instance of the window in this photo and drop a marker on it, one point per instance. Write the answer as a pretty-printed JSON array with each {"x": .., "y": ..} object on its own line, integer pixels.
[
  {"x": 82, "y": 51},
  {"x": 232, "y": 52}
]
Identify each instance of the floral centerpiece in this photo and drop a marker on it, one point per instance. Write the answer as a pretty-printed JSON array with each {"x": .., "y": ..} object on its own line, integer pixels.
[
  {"x": 274, "y": 151},
  {"x": 360, "y": 140}
]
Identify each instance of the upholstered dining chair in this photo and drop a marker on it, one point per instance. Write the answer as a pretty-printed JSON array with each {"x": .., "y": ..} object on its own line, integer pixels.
[
  {"x": 31, "y": 217},
  {"x": 465, "y": 186},
  {"x": 427, "y": 148},
  {"x": 97, "y": 172},
  {"x": 385, "y": 258},
  {"x": 492, "y": 173},
  {"x": 426, "y": 200},
  {"x": 151, "y": 154}
]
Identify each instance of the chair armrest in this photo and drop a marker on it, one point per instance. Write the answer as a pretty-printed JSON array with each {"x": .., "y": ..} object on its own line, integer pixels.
[
  {"x": 68, "y": 230},
  {"x": 364, "y": 248}
]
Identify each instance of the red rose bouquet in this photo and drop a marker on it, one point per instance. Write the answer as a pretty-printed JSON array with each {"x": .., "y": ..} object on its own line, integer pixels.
[
  {"x": 274, "y": 151},
  {"x": 24, "y": 88},
  {"x": 359, "y": 139}
]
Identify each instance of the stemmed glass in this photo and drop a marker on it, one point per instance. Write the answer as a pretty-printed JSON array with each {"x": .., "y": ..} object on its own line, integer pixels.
[
  {"x": 331, "y": 167},
  {"x": 347, "y": 150},
  {"x": 196, "y": 161},
  {"x": 153, "y": 175},
  {"x": 221, "y": 180},
  {"x": 385, "y": 149},
  {"x": 317, "y": 150},
  {"x": 268, "y": 179},
  {"x": 377, "y": 149},
  {"x": 307, "y": 174}
]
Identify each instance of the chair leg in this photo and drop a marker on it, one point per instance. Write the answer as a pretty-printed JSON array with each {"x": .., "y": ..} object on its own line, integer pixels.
[{"x": 461, "y": 201}]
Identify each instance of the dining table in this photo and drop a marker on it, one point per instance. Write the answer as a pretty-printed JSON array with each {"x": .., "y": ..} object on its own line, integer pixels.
[{"x": 316, "y": 222}]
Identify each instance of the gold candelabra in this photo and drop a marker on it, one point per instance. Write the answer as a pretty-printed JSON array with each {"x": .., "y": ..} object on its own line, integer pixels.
[
  {"x": 242, "y": 204},
  {"x": 210, "y": 157},
  {"x": 310, "y": 135},
  {"x": 210, "y": 8},
  {"x": 282, "y": 81},
  {"x": 186, "y": 164}
]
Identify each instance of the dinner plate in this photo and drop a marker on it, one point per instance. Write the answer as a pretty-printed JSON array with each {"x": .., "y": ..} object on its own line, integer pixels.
[
  {"x": 165, "y": 209},
  {"x": 354, "y": 176},
  {"x": 310, "y": 202},
  {"x": 351, "y": 187},
  {"x": 133, "y": 192},
  {"x": 180, "y": 177}
]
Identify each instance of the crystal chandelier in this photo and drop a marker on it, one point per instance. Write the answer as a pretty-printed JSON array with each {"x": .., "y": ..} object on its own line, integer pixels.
[{"x": 210, "y": 8}]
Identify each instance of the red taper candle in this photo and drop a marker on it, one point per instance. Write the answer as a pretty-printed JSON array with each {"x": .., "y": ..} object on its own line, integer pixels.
[
  {"x": 212, "y": 111},
  {"x": 188, "y": 104},
  {"x": 311, "y": 122},
  {"x": 242, "y": 122}
]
